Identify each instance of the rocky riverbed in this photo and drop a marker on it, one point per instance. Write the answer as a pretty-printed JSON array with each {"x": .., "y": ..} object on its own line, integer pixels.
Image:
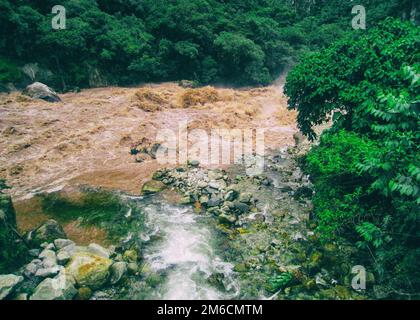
[
  {"x": 205, "y": 234},
  {"x": 99, "y": 218}
]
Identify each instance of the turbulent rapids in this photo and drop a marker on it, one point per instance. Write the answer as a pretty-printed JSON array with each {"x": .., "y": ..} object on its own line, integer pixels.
[{"x": 182, "y": 246}]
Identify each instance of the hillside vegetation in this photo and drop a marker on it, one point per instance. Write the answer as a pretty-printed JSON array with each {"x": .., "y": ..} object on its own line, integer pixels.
[
  {"x": 243, "y": 42},
  {"x": 366, "y": 168}
]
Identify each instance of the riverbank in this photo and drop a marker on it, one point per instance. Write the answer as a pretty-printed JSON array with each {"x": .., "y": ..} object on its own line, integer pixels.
[{"x": 198, "y": 231}]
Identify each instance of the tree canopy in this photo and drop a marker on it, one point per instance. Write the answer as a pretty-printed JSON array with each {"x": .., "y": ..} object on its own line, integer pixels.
[{"x": 209, "y": 41}]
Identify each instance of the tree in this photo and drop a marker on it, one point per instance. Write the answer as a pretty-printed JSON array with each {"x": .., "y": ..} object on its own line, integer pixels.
[{"x": 348, "y": 75}]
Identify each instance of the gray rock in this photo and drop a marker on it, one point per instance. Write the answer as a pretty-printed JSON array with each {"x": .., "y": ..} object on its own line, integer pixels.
[
  {"x": 245, "y": 197},
  {"x": 214, "y": 201},
  {"x": 59, "y": 288},
  {"x": 186, "y": 84},
  {"x": 61, "y": 243},
  {"x": 63, "y": 257},
  {"x": 231, "y": 195},
  {"x": 8, "y": 284},
  {"x": 202, "y": 184},
  {"x": 49, "y": 259},
  {"x": 194, "y": 163},
  {"x": 70, "y": 249},
  {"x": 241, "y": 207},
  {"x": 34, "y": 252},
  {"x": 204, "y": 199},
  {"x": 32, "y": 267},
  {"x": 215, "y": 175},
  {"x": 47, "y": 272},
  {"x": 214, "y": 185},
  {"x": 211, "y": 191},
  {"x": 118, "y": 270},
  {"x": 38, "y": 90},
  {"x": 98, "y": 250},
  {"x": 50, "y": 246}
]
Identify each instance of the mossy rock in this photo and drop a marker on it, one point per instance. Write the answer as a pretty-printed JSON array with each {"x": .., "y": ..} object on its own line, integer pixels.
[
  {"x": 240, "y": 267},
  {"x": 89, "y": 270},
  {"x": 152, "y": 187},
  {"x": 130, "y": 256},
  {"x": 84, "y": 293},
  {"x": 185, "y": 200},
  {"x": 154, "y": 280},
  {"x": 315, "y": 261}
]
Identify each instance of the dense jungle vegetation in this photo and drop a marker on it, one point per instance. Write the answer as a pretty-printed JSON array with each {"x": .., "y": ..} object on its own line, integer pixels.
[
  {"x": 243, "y": 42},
  {"x": 366, "y": 168}
]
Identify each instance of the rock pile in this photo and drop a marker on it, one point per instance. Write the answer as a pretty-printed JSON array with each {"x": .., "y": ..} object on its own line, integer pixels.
[
  {"x": 62, "y": 270},
  {"x": 212, "y": 191}
]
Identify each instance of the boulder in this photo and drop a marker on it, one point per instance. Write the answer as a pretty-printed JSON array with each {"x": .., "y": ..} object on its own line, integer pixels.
[
  {"x": 214, "y": 185},
  {"x": 194, "y": 163},
  {"x": 32, "y": 267},
  {"x": 153, "y": 186},
  {"x": 132, "y": 268},
  {"x": 38, "y": 90},
  {"x": 63, "y": 257},
  {"x": 98, "y": 250},
  {"x": 48, "y": 272},
  {"x": 61, "y": 243},
  {"x": 153, "y": 150},
  {"x": 48, "y": 257},
  {"x": 130, "y": 256},
  {"x": 118, "y": 270},
  {"x": 8, "y": 284},
  {"x": 241, "y": 207},
  {"x": 245, "y": 197},
  {"x": 214, "y": 201},
  {"x": 89, "y": 270},
  {"x": 186, "y": 84},
  {"x": 59, "y": 288},
  {"x": 47, "y": 232}
]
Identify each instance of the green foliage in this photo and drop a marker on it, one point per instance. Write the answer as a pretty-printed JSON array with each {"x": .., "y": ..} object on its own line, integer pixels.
[
  {"x": 9, "y": 72},
  {"x": 366, "y": 167},
  {"x": 341, "y": 198},
  {"x": 396, "y": 119},
  {"x": 280, "y": 281},
  {"x": 349, "y": 75},
  {"x": 208, "y": 41}
]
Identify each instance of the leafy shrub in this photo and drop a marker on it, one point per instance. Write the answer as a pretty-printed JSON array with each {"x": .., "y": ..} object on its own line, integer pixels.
[{"x": 9, "y": 72}]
